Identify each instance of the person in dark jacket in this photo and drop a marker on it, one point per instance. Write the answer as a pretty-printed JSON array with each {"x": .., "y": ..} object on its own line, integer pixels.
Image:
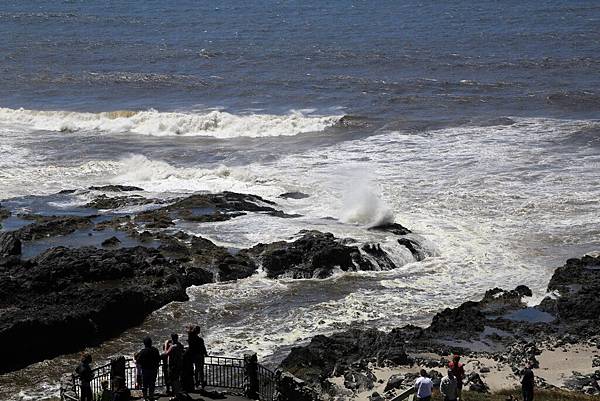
[
  {"x": 527, "y": 383},
  {"x": 121, "y": 393},
  {"x": 197, "y": 350},
  {"x": 149, "y": 360},
  {"x": 84, "y": 370}
]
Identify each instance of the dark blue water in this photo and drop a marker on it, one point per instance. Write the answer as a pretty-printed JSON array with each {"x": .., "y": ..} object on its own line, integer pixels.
[{"x": 400, "y": 60}]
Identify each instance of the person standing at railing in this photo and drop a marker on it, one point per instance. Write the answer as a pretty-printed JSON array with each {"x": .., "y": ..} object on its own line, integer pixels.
[
  {"x": 197, "y": 349},
  {"x": 149, "y": 361},
  {"x": 84, "y": 370},
  {"x": 174, "y": 355},
  {"x": 165, "y": 366}
]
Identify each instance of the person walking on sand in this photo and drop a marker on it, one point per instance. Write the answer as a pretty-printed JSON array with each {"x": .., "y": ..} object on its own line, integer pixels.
[
  {"x": 149, "y": 361},
  {"x": 198, "y": 351},
  {"x": 423, "y": 386},
  {"x": 84, "y": 370},
  {"x": 449, "y": 387},
  {"x": 527, "y": 382},
  {"x": 174, "y": 355},
  {"x": 458, "y": 370}
]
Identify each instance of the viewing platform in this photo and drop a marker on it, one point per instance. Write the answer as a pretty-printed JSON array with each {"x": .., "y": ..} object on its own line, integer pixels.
[{"x": 226, "y": 378}]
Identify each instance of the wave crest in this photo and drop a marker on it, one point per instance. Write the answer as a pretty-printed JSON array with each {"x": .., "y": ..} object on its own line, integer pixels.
[{"x": 214, "y": 123}]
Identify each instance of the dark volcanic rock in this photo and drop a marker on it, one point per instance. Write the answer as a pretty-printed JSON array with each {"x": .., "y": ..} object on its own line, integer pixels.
[
  {"x": 315, "y": 254},
  {"x": 578, "y": 285},
  {"x": 359, "y": 381},
  {"x": 49, "y": 226},
  {"x": 115, "y": 202},
  {"x": 325, "y": 356},
  {"x": 294, "y": 195},
  {"x": 66, "y": 299},
  {"x": 470, "y": 318},
  {"x": 109, "y": 242},
  {"x": 115, "y": 188},
  {"x": 394, "y": 228},
  {"x": 159, "y": 218},
  {"x": 394, "y": 383},
  {"x": 4, "y": 213},
  {"x": 414, "y": 248},
  {"x": 218, "y": 207},
  {"x": 10, "y": 245},
  {"x": 290, "y": 388}
]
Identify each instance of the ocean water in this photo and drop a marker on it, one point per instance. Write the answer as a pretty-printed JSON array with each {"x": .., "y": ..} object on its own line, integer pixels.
[{"x": 476, "y": 124}]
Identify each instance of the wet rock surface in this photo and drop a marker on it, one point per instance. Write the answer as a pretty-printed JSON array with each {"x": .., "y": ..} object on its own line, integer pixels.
[
  {"x": 115, "y": 188},
  {"x": 68, "y": 298},
  {"x": 50, "y": 226},
  {"x": 326, "y": 356},
  {"x": 500, "y": 326},
  {"x": 10, "y": 245},
  {"x": 577, "y": 303},
  {"x": 317, "y": 255},
  {"x": 116, "y": 202},
  {"x": 72, "y": 294},
  {"x": 4, "y": 213},
  {"x": 294, "y": 195}
]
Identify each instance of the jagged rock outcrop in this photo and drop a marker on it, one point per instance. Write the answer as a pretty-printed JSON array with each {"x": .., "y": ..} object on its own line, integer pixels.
[
  {"x": 10, "y": 245},
  {"x": 326, "y": 355},
  {"x": 317, "y": 255},
  {"x": 577, "y": 301},
  {"x": 65, "y": 299}
]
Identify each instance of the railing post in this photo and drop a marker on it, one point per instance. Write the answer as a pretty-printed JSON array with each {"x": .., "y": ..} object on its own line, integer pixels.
[
  {"x": 251, "y": 383},
  {"x": 117, "y": 369}
]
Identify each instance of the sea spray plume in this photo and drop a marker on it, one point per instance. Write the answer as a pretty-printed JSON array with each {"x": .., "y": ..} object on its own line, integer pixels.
[{"x": 362, "y": 202}]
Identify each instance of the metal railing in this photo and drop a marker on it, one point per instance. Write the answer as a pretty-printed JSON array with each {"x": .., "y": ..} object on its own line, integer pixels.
[{"x": 219, "y": 372}]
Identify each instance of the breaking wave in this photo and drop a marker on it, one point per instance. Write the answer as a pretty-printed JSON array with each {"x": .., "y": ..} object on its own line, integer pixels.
[{"x": 213, "y": 123}]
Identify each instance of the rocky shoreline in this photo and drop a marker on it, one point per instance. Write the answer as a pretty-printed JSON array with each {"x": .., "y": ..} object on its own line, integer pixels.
[
  {"x": 499, "y": 331},
  {"x": 82, "y": 295}
]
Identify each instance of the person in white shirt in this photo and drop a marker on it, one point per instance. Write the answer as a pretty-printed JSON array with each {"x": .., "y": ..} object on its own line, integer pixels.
[
  {"x": 449, "y": 387},
  {"x": 423, "y": 386}
]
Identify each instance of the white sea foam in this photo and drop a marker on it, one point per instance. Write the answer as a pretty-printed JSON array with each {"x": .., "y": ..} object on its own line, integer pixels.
[{"x": 213, "y": 123}]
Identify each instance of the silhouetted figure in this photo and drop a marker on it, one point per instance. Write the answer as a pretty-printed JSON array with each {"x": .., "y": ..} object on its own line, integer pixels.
[
  {"x": 187, "y": 371},
  {"x": 174, "y": 355},
  {"x": 107, "y": 394},
  {"x": 458, "y": 370},
  {"x": 165, "y": 366},
  {"x": 198, "y": 352},
  {"x": 449, "y": 387},
  {"x": 148, "y": 361},
  {"x": 423, "y": 386},
  {"x": 527, "y": 383},
  {"x": 84, "y": 370},
  {"x": 121, "y": 392},
  {"x": 251, "y": 383}
]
